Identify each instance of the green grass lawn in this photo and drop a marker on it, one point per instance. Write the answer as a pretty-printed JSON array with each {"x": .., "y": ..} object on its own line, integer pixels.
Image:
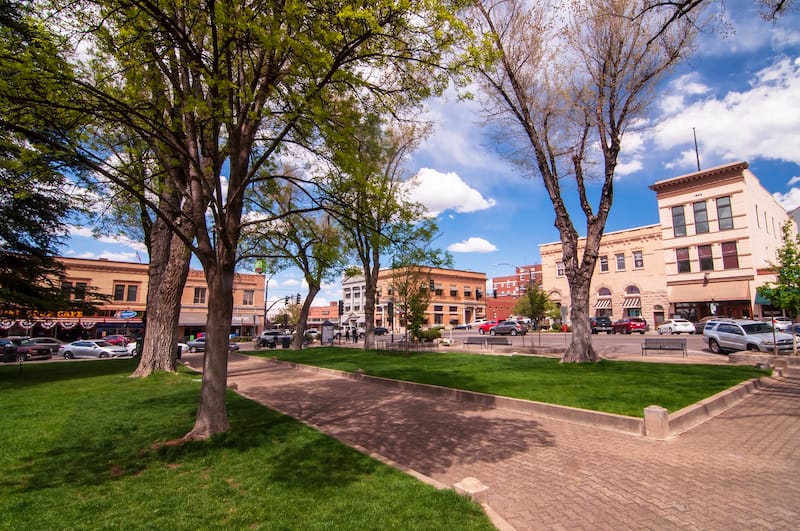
[
  {"x": 619, "y": 387},
  {"x": 79, "y": 449}
]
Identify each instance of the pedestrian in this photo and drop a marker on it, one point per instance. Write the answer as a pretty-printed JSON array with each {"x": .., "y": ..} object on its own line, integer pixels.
[
  {"x": 355, "y": 335},
  {"x": 347, "y": 335}
]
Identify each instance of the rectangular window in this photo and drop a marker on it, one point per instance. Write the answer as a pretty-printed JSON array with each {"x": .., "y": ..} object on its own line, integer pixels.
[
  {"x": 133, "y": 292},
  {"x": 620, "y": 261},
  {"x": 247, "y": 297},
  {"x": 80, "y": 291},
  {"x": 706, "y": 258},
  {"x": 468, "y": 291},
  {"x": 604, "y": 264},
  {"x": 560, "y": 271},
  {"x": 682, "y": 256},
  {"x": 66, "y": 288},
  {"x": 678, "y": 221},
  {"x": 453, "y": 291},
  {"x": 724, "y": 213},
  {"x": 199, "y": 295},
  {"x": 438, "y": 308},
  {"x": 730, "y": 256},
  {"x": 119, "y": 292},
  {"x": 700, "y": 217},
  {"x": 452, "y": 309},
  {"x": 638, "y": 260}
]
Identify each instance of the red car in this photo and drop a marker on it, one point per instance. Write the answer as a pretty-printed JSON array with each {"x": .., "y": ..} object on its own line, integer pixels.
[
  {"x": 629, "y": 325},
  {"x": 117, "y": 339},
  {"x": 486, "y": 328}
]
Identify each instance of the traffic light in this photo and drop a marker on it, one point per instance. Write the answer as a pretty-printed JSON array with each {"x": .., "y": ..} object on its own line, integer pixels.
[
  {"x": 298, "y": 299},
  {"x": 341, "y": 307},
  {"x": 286, "y": 300}
]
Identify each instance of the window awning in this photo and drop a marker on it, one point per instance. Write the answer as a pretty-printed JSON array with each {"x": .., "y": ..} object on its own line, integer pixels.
[
  {"x": 603, "y": 304},
  {"x": 762, "y": 300},
  {"x": 632, "y": 302}
]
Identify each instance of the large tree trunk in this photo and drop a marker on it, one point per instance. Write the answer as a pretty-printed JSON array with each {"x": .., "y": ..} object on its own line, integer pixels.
[
  {"x": 580, "y": 348},
  {"x": 212, "y": 413},
  {"x": 169, "y": 267},
  {"x": 298, "y": 339}
]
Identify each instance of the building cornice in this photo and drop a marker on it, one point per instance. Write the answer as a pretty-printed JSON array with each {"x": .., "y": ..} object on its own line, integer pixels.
[{"x": 726, "y": 170}]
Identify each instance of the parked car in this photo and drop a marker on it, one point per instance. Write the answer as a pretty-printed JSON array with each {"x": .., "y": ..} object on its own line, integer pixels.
[
  {"x": 701, "y": 324},
  {"x": 117, "y": 339},
  {"x": 462, "y": 326},
  {"x": 92, "y": 348},
  {"x": 745, "y": 334},
  {"x": 676, "y": 326},
  {"x": 629, "y": 325},
  {"x": 29, "y": 350},
  {"x": 8, "y": 350},
  {"x": 780, "y": 323},
  {"x": 199, "y": 345},
  {"x": 51, "y": 342},
  {"x": 133, "y": 348},
  {"x": 486, "y": 326},
  {"x": 513, "y": 328},
  {"x": 380, "y": 330},
  {"x": 475, "y": 324},
  {"x": 601, "y": 323}
]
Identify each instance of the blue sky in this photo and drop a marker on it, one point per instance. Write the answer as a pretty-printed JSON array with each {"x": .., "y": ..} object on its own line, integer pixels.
[{"x": 740, "y": 92}]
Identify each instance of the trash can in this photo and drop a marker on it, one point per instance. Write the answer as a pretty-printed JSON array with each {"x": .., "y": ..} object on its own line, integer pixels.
[
  {"x": 178, "y": 352},
  {"x": 286, "y": 341}
]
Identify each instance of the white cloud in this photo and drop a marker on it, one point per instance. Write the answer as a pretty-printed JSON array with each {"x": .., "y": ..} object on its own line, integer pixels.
[
  {"x": 790, "y": 200},
  {"x": 444, "y": 191},
  {"x": 472, "y": 245},
  {"x": 760, "y": 122},
  {"x": 85, "y": 232}
]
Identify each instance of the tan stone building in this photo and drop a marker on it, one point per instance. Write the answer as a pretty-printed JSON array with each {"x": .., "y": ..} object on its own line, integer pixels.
[
  {"x": 125, "y": 283},
  {"x": 628, "y": 280},
  {"x": 458, "y": 297},
  {"x": 719, "y": 231}
]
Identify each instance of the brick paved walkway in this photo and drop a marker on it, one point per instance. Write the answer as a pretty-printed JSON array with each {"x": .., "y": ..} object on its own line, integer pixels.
[{"x": 740, "y": 470}]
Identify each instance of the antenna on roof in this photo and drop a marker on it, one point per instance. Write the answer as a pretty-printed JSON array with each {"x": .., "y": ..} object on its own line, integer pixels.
[{"x": 696, "y": 151}]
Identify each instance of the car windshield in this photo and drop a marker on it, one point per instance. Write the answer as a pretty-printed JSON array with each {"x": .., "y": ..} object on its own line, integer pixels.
[
  {"x": 103, "y": 344},
  {"x": 757, "y": 328}
]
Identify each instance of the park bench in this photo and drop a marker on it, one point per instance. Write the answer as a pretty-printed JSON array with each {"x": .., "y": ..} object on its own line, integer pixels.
[
  {"x": 494, "y": 340},
  {"x": 475, "y": 340},
  {"x": 405, "y": 346},
  {"x": 664, "y": 343}
]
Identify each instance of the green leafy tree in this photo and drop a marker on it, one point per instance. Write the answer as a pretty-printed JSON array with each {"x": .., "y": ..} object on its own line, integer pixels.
[
  {"x": 784, "y": 293},
  {"x": 534, "y": 304},
  {"x": 225, "y": 87}
]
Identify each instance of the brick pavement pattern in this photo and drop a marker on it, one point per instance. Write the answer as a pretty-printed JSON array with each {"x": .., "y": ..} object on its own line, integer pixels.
[{"x": 740, "y": 470}]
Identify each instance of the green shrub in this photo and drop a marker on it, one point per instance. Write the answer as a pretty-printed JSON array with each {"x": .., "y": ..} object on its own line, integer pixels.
[{"x": 429, "y": 335}]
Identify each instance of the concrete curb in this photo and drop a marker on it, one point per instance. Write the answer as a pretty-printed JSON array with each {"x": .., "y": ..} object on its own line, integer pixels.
[{"x": 677, "y": 423}]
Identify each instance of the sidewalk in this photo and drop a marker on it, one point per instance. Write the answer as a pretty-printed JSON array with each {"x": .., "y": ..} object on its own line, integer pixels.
[{"x": 740, "y": 470}]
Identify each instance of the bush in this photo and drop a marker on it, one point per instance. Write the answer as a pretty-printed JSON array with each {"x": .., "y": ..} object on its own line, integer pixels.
[{"x": 429, "y": 335}]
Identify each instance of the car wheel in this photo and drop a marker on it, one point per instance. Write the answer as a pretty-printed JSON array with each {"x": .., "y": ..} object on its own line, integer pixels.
[
  {"x": 103, "y": 355},
  {"x": 513, "y": 332},
  {"x": 714, "y": 346},
  {"x": 68, "y": 355},
  {"x": 753, "y": 348},
  {"x": 608, "y": 332},
  {"x": 492, "y": 332},
  {"x": 659, "y": 331},
  {"x": 480, "y": 331},
  {"x": 192, "y": 349}
]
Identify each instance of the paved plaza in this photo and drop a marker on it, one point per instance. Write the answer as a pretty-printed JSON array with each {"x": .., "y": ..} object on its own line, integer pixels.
[{"x": 739, "y": 470}]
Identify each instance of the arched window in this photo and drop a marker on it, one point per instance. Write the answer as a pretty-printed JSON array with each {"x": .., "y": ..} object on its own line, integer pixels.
[
  {"x": 632, "y": 290},
  {"x": 604, "y": 292}
]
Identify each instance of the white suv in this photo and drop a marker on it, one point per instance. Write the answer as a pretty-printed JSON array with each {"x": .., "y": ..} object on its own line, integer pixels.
[{"x": 744, "y": 334}]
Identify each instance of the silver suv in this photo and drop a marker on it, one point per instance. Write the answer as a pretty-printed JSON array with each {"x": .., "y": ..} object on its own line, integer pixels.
[{"x": 744, "y": 334}]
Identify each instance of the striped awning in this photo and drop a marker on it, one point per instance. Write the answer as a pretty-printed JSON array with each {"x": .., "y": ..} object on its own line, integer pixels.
[
  {"x": 632, "y": 302},
  {"x": 603, "y": 304}
]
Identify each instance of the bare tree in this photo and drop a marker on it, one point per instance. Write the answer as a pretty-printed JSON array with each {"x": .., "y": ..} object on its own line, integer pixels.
[{"x": 571, "y": 78}]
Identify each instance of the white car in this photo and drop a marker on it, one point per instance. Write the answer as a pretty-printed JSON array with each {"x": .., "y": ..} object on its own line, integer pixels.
[
  {"x": 91, "y": 348},
  {"x": 131, "y": 347},
  {"x": 676, "y": 326},
  {"x": 476, "y": 323},
  {"x": 781, "y": 323}
]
